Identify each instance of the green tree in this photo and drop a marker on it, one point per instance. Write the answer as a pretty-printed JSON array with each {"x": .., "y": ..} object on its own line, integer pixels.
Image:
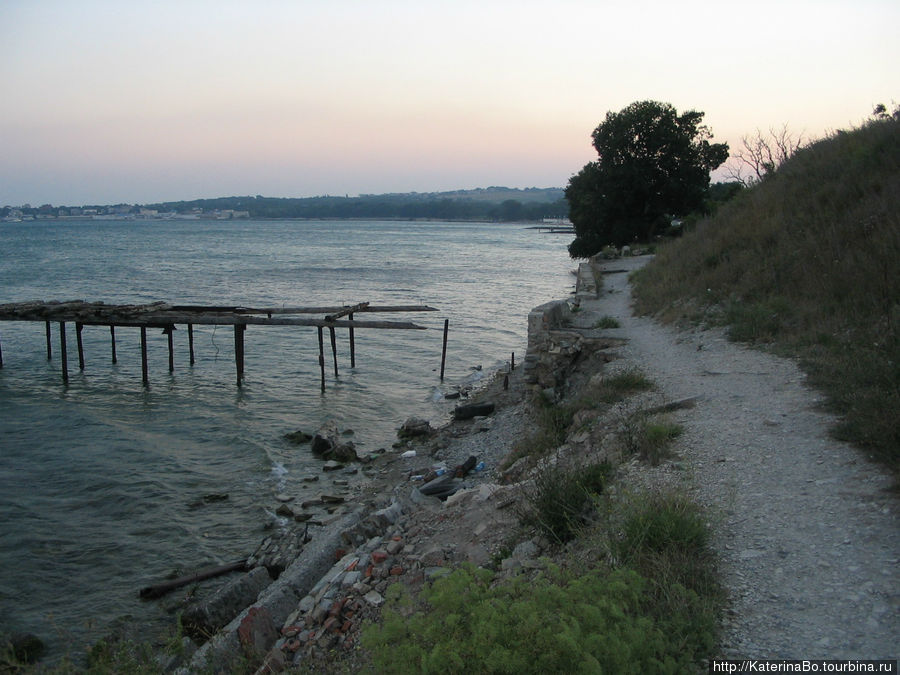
[{"x": 653, "y": 164}]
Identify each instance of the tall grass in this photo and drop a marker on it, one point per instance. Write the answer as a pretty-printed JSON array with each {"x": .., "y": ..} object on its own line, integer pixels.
[{"x": 807, "y": 262}]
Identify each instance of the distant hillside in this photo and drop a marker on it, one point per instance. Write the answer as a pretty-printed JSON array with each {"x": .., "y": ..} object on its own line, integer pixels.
[
  {"x": 807, "y": 262},
  {"x": 493, "y": 203}
]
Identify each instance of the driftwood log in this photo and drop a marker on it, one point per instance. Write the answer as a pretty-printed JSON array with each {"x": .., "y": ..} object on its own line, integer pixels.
[{"x": 159, "y": 590}]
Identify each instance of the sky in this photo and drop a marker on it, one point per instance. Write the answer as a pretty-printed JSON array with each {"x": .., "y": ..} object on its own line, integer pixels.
[{"x": 112, "y": 101}]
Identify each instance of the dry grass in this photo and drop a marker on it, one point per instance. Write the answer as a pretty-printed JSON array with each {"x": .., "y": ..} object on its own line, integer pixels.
[{"x": 807, "y": 263}]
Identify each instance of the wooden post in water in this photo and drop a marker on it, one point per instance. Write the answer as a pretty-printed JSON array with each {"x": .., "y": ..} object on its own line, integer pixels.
[
  {"x": 49, "y": 349},
  {"x": 78, "y": 329},
  {"x": 1, "y": 356},
  {"x": 333, "y": 349},
  {"x": 352, "y": 344},
  {"x": 322, "y": 357},
  {"x": 512, "y": 361},
  {"x": 239, "y": 329},
  {"x": 62, "y": 351},
  {"x": 169, "y": 330},
  {"x": 145, "y": 376},
  {"x": 444, "y": 348},
  {"x": 112, "y": 342},
  {"x": 191, "y": 341}
]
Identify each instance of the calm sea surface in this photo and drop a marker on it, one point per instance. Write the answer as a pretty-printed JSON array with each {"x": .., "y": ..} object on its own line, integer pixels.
[{"x": 99, "y": 479}]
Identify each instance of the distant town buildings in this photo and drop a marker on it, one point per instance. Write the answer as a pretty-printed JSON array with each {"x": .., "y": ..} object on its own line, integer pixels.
[{"x": 117, "y": 212}]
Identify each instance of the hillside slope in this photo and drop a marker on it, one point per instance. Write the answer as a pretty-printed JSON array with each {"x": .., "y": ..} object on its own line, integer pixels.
[{"x": 806, "y": 263}]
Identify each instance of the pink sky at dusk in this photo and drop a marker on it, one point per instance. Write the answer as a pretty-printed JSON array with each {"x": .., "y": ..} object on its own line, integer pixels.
[{"x": 107, "y": 102}]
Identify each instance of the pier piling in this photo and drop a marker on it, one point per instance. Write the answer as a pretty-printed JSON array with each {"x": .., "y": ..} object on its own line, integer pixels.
[
  {"x": 145, "y": 375},
  {"x": 352, "y": 344},
  {"x": 62, "y": 351},
  {"x": 165, "y": 316},
  {"x": 322, "y": 357},
  {"x": 333, "y": 349},
  {"x": 444, "y": 348},
  {"x": 239, "y": 329},
  {"x": 191, "y": 341},
  {"x": 168, "y": 331},
  {"x": 78, "y": 328}
]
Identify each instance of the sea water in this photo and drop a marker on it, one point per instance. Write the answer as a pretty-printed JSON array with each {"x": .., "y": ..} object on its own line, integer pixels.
[{"x": 102, "y": 480}]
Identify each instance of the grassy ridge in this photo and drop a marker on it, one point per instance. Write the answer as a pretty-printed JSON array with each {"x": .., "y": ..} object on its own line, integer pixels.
[{"x": 808, "y": 262}]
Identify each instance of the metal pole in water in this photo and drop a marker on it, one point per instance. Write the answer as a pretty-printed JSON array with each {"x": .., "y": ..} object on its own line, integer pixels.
[
  {"x": 352, "y": 344},
  {"x": 144, "y": 374},
  {"x": 333, "y": 349},
  {"x": 444, "y": 349},
  {"x": 62, "y": 351},
  {"x": 191, "y": 341},
  {"x": 239, "y": 350},
  {"x": 49, "y": 349},
  {"x": 78, "y": 329},
  {"x": 112, "y": 342},
  {"x": 168, "y": 330},
  {"x": 322, "y": 357}
]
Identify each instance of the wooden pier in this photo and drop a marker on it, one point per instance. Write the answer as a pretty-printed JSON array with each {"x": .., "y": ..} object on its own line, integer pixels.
[{"x": 165, "y": 316}]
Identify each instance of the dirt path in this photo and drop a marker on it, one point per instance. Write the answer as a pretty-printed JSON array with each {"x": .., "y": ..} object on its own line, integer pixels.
[{"x": 807, "y": 527}]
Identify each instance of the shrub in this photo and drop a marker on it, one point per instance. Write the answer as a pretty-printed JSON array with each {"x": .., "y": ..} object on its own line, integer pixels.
[
  {"x": 557, "y": 503},
  {"x": 558, "y": 622},
  {"x": 649, "y": 439},
  {"x": 608, "y": 322}
]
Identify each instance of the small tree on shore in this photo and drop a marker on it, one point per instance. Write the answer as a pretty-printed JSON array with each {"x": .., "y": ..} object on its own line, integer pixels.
[
  {"x": 653, "y": 164},
  {"x": 761, "y": 154}
]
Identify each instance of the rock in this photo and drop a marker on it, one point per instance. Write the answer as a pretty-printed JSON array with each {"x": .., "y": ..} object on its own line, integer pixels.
[
  {"x": 25, "y": 647},
  {"x": 284, "y": 510},
  {"x": 415, "y": 427},
  {"x": 298, "y": 437},
  {"x": 257, "y": 632},
  {"x": 332, "y": 465},
  {"x": 343, "y": 452},
  {"x": 433, "y": 557},
  {"x": 325, "y": 439},
  {"x": 283, "y": 498},
  {"x": 374, "y": 598},
  {"x": 327, "y": 443},
  {"x": 466, "y": 412},
  {"x": 205, "y": 617}
]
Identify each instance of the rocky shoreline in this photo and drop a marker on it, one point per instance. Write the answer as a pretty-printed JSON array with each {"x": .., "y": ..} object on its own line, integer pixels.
[
  {"x": 754, "y": 453},
  {"x": 306, "y": 592}
]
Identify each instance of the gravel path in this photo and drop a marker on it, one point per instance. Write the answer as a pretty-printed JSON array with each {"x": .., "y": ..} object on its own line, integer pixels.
[{"x": 806, "y": 525}]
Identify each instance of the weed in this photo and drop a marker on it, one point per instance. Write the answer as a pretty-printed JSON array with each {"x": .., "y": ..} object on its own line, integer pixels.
[
  {"x": 649, "y": 439},
  {"x": 607, "y": 322},
  {"x": 558, "y": 502}
]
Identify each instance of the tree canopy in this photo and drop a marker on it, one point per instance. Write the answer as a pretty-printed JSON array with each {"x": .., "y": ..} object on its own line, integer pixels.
[{"x": 653, "y": 165}]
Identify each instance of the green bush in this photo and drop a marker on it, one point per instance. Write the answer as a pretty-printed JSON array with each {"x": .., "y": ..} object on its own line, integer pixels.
[
  {"x": 607, "y": 322},
  {"x": 558, "y": 502},
  {"x": 559, "y": 622}
]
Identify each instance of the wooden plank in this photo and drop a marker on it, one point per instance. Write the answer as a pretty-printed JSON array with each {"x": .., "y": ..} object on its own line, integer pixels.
[{"x": 361, "y": 307}]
